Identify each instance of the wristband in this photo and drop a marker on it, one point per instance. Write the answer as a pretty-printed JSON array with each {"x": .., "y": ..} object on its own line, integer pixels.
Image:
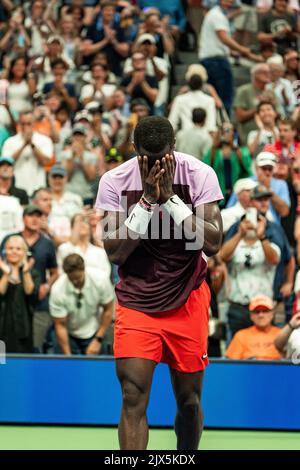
[
  {"x": 177, "y": 209},
  {"x": 139, "y": 219}
]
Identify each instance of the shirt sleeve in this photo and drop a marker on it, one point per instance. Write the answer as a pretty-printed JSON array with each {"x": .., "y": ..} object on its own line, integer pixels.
[
  {"x": 108, "y": 198},
  {"x": 235, "y": 348},
  {"x": 210, "y": 192},
  {"x": 56, "y": 302},
  {"x": 220, "y": 22}
]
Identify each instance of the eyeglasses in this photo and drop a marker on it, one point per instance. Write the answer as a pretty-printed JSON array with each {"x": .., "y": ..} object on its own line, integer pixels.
[{"x": 79, "y": 297}]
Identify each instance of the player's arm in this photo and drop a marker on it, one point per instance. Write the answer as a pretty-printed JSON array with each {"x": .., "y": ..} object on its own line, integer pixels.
[
  {"x": 122, "y": 235},
  {"x": 204, "y": 228}
]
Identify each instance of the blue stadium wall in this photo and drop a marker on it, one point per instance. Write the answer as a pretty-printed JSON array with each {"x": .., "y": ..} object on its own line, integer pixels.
[{"x": 85, "y": 391}]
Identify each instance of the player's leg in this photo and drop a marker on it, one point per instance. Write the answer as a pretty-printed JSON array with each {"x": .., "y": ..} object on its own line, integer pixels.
[
  {"x": 189, "y": 419},
  {"x": 135, "y": 376}
]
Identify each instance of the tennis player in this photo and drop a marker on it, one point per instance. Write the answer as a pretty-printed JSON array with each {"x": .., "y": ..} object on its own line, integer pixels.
[{"x": 161, "y": 219}]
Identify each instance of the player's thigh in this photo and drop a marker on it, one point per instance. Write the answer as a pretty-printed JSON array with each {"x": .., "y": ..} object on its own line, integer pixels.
[
  {"x": 187, "y": 386},
  {"x": 135, "y": 376}
]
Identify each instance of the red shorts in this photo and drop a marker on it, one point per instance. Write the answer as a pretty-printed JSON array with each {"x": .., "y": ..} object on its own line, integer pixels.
[{"x": 177, "y": 337}]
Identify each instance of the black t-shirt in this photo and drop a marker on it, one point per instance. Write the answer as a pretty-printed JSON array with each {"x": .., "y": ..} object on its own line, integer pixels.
[
  {"x": 96, "y": 34},
  {"x": 271, "y": 23},
  {"x": 19, "y": 194},
  {"x": 288, "y": 223},
  {"x": 138, "y": 92}
]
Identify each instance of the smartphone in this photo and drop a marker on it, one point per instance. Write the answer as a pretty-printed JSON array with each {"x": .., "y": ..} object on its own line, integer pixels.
[{"x": 251, "y": 215}]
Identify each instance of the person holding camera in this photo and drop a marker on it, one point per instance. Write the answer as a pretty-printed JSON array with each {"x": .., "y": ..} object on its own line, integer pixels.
[
  {"x": 251, "y": 259},
  {"x": 230, "y": 161},
  {"x": 19, "y": 287}
]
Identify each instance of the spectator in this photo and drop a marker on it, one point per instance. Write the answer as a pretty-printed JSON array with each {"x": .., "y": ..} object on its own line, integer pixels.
[
  {"x": 65, "y": 205},
  {"x": 75, "y": 301},
  {"x": 196, "y": 140},
  {"x": 64, "y": 89},
  {"x": 14, "y": 39},
  {"x": 252, "y": 259},
  {"x": 7, "y": 187},
  {"x": 229, "y": 161},
  {"x": 19, "y": 286},
  {"x": 129, "y": 24},
  {"x": 42, "y": 198},
  {"x": 249, "y": 96},
  {"x": 31, "y": 151},
  {"x": 45, "y": 121},
  {"x": 215, "y": 45},
  {"x": 287, "y": 145},
  {"x": 22, "y": 86},
  {"x": 231, "y": 215},
  {"x": 105, "y": 34},
  {"x": 288, "y": 340},
  {"x": 69, "y": 36},
  {"x": 43, "y": 252},
  {"x": 198, "y": 69},
  {"x": 80, "y": 243},
  {"x": 282, "y": 88},
  {"x": 159, "y": 28},
  {"x": 99, "y": 89},
  {"x": 155, "y": 67},
  {"x": 182, "y": 107},
  {"x": 280, "y": 201},
  {"x": 291, "y": 64},
  {"x": 10, "y": 207},
  {"x": 138, "y": 84},
  {"x": 37, "y": 26},
  {"x": 279, "y": 25},
  {"x": 257, "y": 341},
  {"x": 267, "y": 131},
  {"x": 173, "y": 10},
  {"x": 81, "y": 165}
]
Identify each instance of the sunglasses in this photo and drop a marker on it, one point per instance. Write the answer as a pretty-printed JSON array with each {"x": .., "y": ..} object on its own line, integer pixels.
[
  {"x": 267, "y": 168},
  {"x": 79, "y": 297}
]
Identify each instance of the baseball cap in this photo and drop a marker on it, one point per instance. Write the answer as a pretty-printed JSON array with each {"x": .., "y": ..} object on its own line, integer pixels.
[
  {"x": 57, "y": 170},
  {"x": 84, "y": 114},
  {"x": 139, "y": 102},
  {"x": 244, "y": 184},
  {"x": 260, "y": 192},
  {"x": 113, "y": 156},
  {"x": 8, "y": 160},
  {"x": 54, "y": 38},
  {"x": 32, "y": 209},
  {"x": 79, "y": 129},
  {"x": 145, "y": 37},
  {"x": 196, "y": 69},
  {"x": 266, "y": 158},
  {"x": 261, "y": 301}
]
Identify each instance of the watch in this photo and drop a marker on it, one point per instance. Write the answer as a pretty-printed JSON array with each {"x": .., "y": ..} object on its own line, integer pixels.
[{"x": 99, "y": 339}]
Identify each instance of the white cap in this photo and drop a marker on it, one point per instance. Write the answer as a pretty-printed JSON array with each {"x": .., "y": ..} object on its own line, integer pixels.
[
  {"x": 275, "y": 59},
  {"x": 146, "y": 37},
  {"x": 244, "y": 184},
  {"x": 266, "y": 158}
]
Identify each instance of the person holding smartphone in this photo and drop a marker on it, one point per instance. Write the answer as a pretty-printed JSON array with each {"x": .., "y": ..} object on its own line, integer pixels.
[{"x": 19, "y": 287}]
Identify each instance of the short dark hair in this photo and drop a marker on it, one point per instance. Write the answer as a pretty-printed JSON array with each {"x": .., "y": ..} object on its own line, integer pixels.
[
  {"x": 199, "y": 115},
  {"x": 73, "y": 262},
  {"x": 195, "y": 82},
  {"x": 59, "y": 61},
  {"x": 288, "y": 122},
  {"x": 264, "y": 103},
  {"x": 153, "y": 134},
  {"x": 40, "y": 190}
]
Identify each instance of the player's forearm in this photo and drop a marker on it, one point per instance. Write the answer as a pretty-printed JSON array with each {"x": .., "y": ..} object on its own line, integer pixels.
[{"x": 120, "y": 244}]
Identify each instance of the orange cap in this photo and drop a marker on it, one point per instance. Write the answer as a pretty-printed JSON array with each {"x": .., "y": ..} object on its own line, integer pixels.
[{"x": 261, "y": 301}]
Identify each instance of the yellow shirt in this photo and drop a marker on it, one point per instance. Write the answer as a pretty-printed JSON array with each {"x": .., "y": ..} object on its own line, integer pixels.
[{"x": 254, "y": 343}]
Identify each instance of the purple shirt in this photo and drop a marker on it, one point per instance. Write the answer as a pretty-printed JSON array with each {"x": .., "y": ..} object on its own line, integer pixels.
[{"x": 161, "y": 273}]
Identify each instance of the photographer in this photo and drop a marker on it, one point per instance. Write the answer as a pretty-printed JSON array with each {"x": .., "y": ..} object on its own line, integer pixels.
[
  {"x": 19, "y": 286},
  {"x": 230, "y": 161},
  {"x": 251, "y": 259}
]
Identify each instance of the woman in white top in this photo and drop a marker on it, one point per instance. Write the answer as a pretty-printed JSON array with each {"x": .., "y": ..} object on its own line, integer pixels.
[
  {"x": 94, "y": 256},
  {"x": 21, "y": 87},
  {"x": 69, "y": 35}
]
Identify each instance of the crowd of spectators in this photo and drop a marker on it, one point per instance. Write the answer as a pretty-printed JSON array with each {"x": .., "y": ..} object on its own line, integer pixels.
[{"x": 76, "y": 76}]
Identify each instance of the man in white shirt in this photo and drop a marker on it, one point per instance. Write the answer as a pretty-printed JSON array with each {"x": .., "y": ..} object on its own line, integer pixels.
[
  {"x": 281, "y": 87},
  {"x": 215, "y": 44},
  {"x": 242, "y": 189},
  {"x": 183, "y": 105},
  {"x": 31, "y": 152},
  {"x": 196, "y": 140},
  {"x": 75, "y": 302}
]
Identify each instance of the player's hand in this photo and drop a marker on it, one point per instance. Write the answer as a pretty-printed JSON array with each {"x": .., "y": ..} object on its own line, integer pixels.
[
  {"x": 93, "y": 348},
  {"x": 166, "y": 181},
  {"x": 150, "y": 179}
]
